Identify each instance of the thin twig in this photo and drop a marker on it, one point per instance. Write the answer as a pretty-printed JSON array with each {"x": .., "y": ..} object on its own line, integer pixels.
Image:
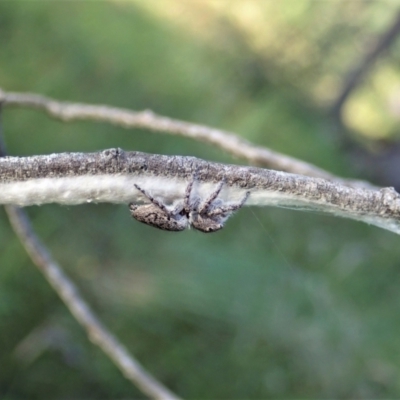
[
  {"x": 147, "y": 119},
  {"x": 79, "y": 308},
  {"x": 111, "y": 176},
  {"x": 358, "y": 72},
  {"x": 70, "y": 295}
]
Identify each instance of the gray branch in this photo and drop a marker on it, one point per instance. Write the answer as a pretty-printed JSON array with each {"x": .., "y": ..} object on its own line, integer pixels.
[
  {"x": 356, "y": 75},
  {"x": 69, "y": 293},
  {"x": 147, "y": 119},
  {"x": 110, "y": 176}
]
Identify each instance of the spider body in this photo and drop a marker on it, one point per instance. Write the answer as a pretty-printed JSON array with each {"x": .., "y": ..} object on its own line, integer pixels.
[{"x": 206, "y": 216}]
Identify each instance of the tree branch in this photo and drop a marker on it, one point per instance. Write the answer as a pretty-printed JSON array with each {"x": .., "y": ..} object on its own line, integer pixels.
[
  {"x": 110, "y": 176},
  {"x": 357, "y": 73},
  {"x": 71, "y": 297},
  {"x": 147, "y": 119}
]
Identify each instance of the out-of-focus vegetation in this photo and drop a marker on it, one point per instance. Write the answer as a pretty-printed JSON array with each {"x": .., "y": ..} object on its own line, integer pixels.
[{"x": 280, "y": 304}]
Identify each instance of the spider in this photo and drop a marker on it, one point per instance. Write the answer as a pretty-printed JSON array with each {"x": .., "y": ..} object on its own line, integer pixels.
[{"x": 206, "y": 216}]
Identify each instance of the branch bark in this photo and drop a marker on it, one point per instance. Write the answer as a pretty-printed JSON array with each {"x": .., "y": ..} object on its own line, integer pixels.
[{"x": 110, "y": 176}]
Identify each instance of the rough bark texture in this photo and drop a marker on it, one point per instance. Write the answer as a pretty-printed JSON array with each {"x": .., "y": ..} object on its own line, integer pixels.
[{"x": 110, "y": 175}]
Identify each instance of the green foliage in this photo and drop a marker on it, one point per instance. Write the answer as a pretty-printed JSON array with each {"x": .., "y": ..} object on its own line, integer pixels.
[{"x": 280, "y": 304}]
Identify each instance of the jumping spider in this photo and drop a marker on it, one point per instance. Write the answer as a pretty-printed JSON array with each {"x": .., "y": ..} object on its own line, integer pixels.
[{"x": 206, "y": 216}]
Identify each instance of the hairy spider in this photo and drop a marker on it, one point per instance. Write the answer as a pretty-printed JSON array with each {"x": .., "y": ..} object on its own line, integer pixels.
[{"x": 206, "y": 216}]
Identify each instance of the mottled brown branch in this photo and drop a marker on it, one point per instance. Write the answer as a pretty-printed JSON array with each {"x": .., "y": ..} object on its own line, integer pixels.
[
  {"x": 227, "y": 141},
  {"x": 111, "y": 176}
]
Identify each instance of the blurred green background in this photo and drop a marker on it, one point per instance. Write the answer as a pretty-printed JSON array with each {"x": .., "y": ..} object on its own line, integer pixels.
[{"x": 280, "y": 304}]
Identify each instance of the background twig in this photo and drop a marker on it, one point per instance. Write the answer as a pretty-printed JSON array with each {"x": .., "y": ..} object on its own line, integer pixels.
[
  {"x": 70, "y": 295},
  {"x": 147, "y": 119},
  {"x": 356, "y": 75},
  {"x": 68, "y": 292}
]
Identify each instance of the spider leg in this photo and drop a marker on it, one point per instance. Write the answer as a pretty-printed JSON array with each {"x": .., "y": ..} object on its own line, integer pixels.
[
  {"x": 187, "y": 204},
  {"x": 203, "y": 207},
  {"x": 230, "y": 208},
  {"x": 188, "y": 191},
  {"x": 158, "y": 203}
]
